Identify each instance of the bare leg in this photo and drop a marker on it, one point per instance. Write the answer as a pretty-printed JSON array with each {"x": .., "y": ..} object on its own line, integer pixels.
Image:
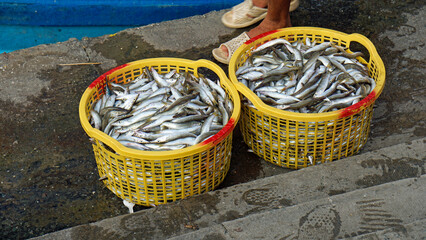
[
  {"x": 260, "y": 3},
  {"x": 277, "y": 17}
]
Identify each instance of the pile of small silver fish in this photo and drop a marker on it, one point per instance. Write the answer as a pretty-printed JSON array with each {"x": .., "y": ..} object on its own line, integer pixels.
[
  {"x": 158, "y": 112},
  {"x": 305, "y": 77}
]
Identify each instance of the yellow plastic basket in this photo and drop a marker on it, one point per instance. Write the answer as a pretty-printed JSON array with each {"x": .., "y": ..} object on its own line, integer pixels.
[
  {"x": 297, "y": 140},
  {"x": 157, "y": 177}
]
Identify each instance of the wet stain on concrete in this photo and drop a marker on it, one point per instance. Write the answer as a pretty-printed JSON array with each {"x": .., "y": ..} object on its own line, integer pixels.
[
  {"x": 254, "y": 210},
  {"x": 205, "y": 203},
  {"x": 198, "y": 206},
  {"x": 214, "y": 236},
  {"x": 328, "y": 14},
  {"x": 137, "y": 223},
  {"x": 363, "y": 16},
  {"x": 245, "y": 166},
  {"x": 49, "y": 166},
  {"x": 285, "y": 202},
  {"x": 125, "y": 47},
  {"x": 333, "y": 192},
  {"x": 419, "y": 131},
  {"x": 392, "y": 170},
  {"x": 164, "y": 222},
  {"x": 95, "y": 232},
  {"x": 229, "y": 216}
]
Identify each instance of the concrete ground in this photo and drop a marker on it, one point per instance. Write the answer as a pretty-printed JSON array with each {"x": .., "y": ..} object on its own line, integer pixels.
[
  {"x": 379, "y": 193},
  {"x": 49, "y": 180}
]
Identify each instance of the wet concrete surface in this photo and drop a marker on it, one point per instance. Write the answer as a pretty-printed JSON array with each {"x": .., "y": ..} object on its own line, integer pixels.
[
  {"x": 48, "y": 177},
  {"x": 312, "y": 192}
]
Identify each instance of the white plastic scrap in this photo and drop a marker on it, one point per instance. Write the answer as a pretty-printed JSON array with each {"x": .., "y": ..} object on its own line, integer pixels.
[
  {"x": 129, "y": 205},
  {"x": 311, "y": 159}
]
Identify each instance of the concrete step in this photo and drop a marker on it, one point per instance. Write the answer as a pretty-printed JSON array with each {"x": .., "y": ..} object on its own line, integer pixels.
[
  {"x": 279, "y": 192},
  {"x": 385, "y": 208},
  {"x": 414, "y": 230}
]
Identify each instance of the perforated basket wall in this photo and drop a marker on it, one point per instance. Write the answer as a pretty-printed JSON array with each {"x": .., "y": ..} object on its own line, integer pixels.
[
  {"x": 297, "y": 140},
  {"x": 157, "y": 177}
]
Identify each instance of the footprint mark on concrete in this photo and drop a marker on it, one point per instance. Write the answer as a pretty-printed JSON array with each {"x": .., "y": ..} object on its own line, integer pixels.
[
  {"x": 322, "y": 222},
  {"x": 375, "y": 217},
  {"x": 261, "y": 197}
]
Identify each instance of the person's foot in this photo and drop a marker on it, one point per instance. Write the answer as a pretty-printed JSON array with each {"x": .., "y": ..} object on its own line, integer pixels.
[
  {"x": 265, "y": 26},
  {"x": 260, "y": 3}
]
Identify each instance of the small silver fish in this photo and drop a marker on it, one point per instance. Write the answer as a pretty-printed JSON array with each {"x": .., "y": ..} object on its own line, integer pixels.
[
  {"x": 158, "y": 112},
  {"x": 315, "y": 76}
]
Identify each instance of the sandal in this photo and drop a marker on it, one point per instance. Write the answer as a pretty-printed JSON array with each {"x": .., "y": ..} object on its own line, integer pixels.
[
  {"x": 232, "y": 45},
  {"x": 294, "y": 4},
  {"x": 246, "y": 14}
]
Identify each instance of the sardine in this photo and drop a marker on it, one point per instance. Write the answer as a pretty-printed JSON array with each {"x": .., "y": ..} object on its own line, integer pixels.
[
  {"x": 314, "y": 75},
  {"x": 162, "y": 111}
]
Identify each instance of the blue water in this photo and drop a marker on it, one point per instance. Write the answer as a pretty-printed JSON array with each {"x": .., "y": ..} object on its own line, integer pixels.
[
  {"x": 18, "y": 37},
  {"x": 27, "y": 23}
]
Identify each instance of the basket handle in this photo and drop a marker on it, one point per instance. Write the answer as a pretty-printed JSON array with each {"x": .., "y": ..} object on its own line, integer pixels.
[
  {"x": 249, "y": 94},
  {"x": 364, "y": 41},
  {"x": 257, "y": 102},
  {"x": 373, "y": 54},
  {"x": 205, "y": 63}
]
